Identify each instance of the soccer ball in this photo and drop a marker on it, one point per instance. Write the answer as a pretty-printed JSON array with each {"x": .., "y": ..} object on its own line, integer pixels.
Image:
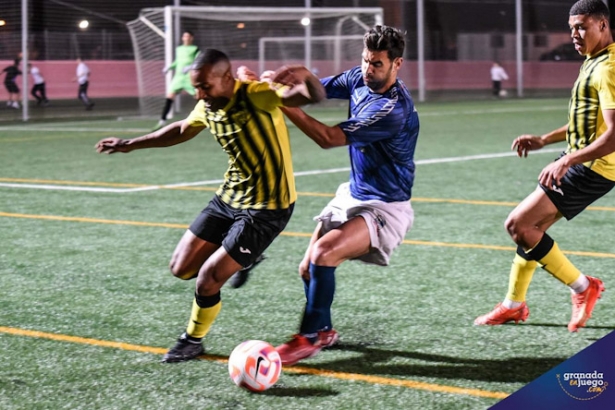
[
  {"x": 503, "y": 93},
  {"x": 254, "y": 365}
]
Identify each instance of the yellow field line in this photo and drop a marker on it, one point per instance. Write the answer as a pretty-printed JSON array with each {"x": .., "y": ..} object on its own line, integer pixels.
[
  {"x": 295, "y": 369},
  {"x": 292, "y": 234}
]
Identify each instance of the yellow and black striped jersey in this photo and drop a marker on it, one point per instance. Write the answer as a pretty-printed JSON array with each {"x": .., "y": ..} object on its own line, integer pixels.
[
  {"x": 252, "y": 131},
  {"x": 593, "y": 92}
]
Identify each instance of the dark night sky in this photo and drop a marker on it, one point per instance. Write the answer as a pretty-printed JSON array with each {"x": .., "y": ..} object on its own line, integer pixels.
[{"x": 462, "y": 15}]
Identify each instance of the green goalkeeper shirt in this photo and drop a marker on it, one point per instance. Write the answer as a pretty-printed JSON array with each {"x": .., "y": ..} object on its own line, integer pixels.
[{"x": 184, "y": 56}]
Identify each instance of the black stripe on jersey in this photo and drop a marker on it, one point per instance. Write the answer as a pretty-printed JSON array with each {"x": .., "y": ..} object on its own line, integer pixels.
[
  {"x": 247, "y": 144},
  {"x": 272, "y": 152},
  {"x": 584, "y": 92}
]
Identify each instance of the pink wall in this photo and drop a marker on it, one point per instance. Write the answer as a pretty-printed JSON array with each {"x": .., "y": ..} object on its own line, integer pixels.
[
  {"x": 107, "y": 78},
  {"x": 118, "y": 78}
]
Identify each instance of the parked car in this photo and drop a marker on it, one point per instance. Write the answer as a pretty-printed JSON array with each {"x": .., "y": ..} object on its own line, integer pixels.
[{"x": 563, "y": 52}]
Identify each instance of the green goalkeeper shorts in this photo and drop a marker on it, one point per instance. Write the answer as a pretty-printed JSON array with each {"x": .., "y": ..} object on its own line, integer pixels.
[{"x": 182, "y": 82}]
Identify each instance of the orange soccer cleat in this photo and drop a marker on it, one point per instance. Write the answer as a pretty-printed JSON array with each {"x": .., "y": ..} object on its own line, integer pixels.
[
  {"x": 583, "y": 304},
  {"x": 500, "y": 315}
]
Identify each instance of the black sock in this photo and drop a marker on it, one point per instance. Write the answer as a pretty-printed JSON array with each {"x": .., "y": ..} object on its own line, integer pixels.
[{"x": 167, "y": 107}]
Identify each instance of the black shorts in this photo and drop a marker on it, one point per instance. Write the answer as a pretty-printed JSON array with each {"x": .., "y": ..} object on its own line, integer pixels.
[
  {"x": 244, "y": 233},
  {"x": 579, "y": 188},
  {"x": 11, "y": 87}
]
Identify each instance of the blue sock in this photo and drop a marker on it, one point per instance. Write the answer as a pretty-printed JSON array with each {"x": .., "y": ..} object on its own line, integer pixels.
[{"x": 319, "y": 294}]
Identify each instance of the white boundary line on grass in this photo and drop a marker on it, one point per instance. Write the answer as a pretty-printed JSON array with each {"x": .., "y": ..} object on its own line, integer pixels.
[{"x": 218, "y": 181}]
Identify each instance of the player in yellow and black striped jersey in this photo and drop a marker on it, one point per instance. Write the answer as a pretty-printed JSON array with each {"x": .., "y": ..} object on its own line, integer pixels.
[
  {"x": 583, "y": 173},
  {"x": 256, "y": 199}
]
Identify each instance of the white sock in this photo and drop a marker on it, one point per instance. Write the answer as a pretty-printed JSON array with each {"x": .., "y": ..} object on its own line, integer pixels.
[
  {"x": 579, "y": 285},
  {"x": 511, "y": 304}
]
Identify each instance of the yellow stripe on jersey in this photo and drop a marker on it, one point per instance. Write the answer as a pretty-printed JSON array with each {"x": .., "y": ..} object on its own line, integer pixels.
[
  {"x": 593, "y": 92},
  {"x": 252, "y": 131}
]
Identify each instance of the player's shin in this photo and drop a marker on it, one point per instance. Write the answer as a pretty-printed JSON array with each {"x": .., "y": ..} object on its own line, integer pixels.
[
  {"x": 553, "y": 260},
  {"x": 320, "y": 291},
  {"x": 205, "y": 309},
  {"x": 521, "y": 273}
]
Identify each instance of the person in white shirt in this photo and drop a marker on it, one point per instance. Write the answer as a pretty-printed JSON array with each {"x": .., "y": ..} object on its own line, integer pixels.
[
  {"x": 83, "y": 78},
  {"x": 498, "y": 74},
  {"x": 38, "y": 89}
]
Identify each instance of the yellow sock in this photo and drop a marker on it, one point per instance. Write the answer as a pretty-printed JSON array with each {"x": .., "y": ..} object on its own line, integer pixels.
[
  {"x": 201, "y": 319},
  {"x": 558, "y": 265},
  {"x": 521, "y": 273}
]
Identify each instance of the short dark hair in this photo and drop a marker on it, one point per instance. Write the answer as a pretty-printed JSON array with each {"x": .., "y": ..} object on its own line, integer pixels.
[
  {"x": 385, "y": 38},
  {"x": 189, "y": 32},
  {"x": 209, "y": 56},
  {"x": 594, "y": 8}
]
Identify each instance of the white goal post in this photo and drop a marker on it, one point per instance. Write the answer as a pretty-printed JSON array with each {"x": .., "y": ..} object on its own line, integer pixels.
[{"x": 327, "y": 40}]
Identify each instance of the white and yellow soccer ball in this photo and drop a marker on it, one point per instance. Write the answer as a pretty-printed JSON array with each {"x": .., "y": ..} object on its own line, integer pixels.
[{"x": 254, "y": 365}]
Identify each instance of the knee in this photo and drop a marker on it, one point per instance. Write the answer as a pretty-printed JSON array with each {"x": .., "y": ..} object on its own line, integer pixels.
[
  {"x": 515, "y": 228},
  {"x": 323, "y": 254},
  {"x": 180, "y": 271}
]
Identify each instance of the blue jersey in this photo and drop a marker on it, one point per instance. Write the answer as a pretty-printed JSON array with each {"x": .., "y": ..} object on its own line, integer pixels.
[{"x": 382, "y": 132}]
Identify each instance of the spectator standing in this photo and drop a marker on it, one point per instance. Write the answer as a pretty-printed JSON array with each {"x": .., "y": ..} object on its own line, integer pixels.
[
  {"x": 12, "y": 72},
  {"x": 38, "y": 89},
  {"x": 498, "y": 74},
  {"x": 83, "y": 78}
]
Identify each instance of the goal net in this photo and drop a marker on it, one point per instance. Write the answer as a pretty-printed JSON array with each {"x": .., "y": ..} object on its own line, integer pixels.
[{"x": 326, "y": 40}]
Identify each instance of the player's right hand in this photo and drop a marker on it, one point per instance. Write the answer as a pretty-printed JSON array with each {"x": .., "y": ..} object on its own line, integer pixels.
[
  {"x": 526, "y": 143},
  {"x": 111, "y": 145}
]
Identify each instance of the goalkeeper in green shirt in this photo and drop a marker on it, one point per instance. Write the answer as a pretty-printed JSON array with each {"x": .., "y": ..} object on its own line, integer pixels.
[{"x": 184, "y": 57}]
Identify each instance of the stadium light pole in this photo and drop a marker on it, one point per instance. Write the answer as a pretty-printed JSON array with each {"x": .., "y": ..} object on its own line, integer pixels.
[
  {"x": 24, "y": 59},
  {"x": 176, "y": 35},
  {"x": 420, "y": 40},
  {"x": 519, "y": 24},
  {"x": 308, "y": 36}
]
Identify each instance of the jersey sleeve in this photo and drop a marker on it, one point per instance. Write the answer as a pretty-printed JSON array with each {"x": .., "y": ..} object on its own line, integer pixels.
[
  {"x": 377, "y": 121},
  {"x": 197, "y": 116},
  {"x": 606, "y": 88},
  {"x": 263, "y": 97},
  {"x": 341, "y": 86}
]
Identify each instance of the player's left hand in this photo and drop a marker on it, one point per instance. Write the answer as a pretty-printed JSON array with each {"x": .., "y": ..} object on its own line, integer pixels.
[
  {"x": 552, "y": 174},
  {"x": 291, "y": 75},
  {"x": 111, "y": 145}
]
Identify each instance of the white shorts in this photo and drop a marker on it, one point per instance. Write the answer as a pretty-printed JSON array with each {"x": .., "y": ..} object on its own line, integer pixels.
[{"x": 387, "y": 222}]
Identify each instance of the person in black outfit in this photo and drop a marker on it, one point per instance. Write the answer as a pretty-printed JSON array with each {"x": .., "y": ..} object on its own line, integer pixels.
[{"x": 12, "y": 71}]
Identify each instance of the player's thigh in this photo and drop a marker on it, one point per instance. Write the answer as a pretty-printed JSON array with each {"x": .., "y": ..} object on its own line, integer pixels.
[
  {"x": 202, "y": 239},
  {"x": 348, "y": 241},
  {"x": 536, "y": 210},
  {"x": 190, "y": 254}
]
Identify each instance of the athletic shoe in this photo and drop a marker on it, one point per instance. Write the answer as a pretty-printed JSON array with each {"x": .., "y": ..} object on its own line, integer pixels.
[
  {"x": 500, "y": 315},
  {"x": 89, "y": 106},
  {"x": 159, "y": 124},
  {"x": 583, "y": 303},
  {"x": 296, "y": 349},
  {"x": 327, "y": 338},
  {"x": 183, "y": 350},
  {"x": 241, "y": 276}
]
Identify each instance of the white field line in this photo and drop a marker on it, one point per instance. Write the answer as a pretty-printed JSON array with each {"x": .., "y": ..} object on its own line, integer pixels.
[{"x": 218, "y": 181}]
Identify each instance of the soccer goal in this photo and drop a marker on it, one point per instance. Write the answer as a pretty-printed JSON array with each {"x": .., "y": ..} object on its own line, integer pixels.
[{"x": 327, "y": 40}]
